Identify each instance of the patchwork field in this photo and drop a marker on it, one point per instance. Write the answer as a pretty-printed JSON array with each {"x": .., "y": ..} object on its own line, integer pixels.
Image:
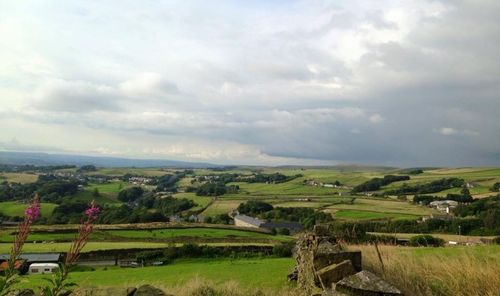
[{"x": 173, "y": 235}]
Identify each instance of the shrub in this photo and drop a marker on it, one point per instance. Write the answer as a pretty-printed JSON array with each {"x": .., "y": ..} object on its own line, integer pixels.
[
  {"x": 426, "y": 240},
  {"x": 283, "y": 250}
]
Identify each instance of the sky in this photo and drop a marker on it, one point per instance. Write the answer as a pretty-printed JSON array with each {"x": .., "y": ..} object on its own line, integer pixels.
[{"x": 400, "y": 83}]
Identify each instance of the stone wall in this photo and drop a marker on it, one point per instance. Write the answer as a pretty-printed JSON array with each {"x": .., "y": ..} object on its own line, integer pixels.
[{"x": 322, "y": 262}]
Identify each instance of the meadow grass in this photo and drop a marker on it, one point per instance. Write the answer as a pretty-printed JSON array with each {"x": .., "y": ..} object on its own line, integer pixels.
[
  {"x": 100, "y": 246},
  {"x": 22, "y": 178},
  {"x": 369, "y": 215},
  {"x": 384, "y": 206},
  {"x": 212, "y": 233},
  {"x": 201, "y": 201},
  {"x": 166, "y": 234},
  {"x": 264, "y": 272},
  {"x": 113, "y": 187},
  {"x": 221, "y": 206},
  {"x": 437, "y": 271},
  {"x": 16, "y": 209},
  {"x": 300, "y": 204},
  {"x": 101, "y": 199},
  {"x": 446, "y": 237}
]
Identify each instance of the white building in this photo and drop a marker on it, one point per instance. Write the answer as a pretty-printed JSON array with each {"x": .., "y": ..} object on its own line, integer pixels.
[
  {"x": 43, "y": 268},
  {"x": 247, "y": 221},
  {"x": 444, "y": 205}
]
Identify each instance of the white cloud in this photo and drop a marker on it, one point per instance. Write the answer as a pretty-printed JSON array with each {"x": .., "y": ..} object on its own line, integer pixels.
[
  {"x": 447, "y": 131},
  {"x": 271, "y": 81},
  {"x": 376, "y": 118}
]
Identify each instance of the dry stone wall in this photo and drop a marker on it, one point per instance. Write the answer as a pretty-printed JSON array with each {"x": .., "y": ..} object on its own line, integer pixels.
[{"x": 322, "y": 262}]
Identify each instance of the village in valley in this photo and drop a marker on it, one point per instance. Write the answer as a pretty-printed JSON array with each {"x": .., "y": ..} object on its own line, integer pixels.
[
  {"x": 249, "y": 148},
  {"x": 150, "y": 217}
]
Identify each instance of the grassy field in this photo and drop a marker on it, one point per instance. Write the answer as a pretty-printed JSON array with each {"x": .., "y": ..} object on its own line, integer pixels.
[
  {"x": 371, "y": 208},
  {"x": 22, "y": 178},
  {"x": 176, "y": 235},
  {"x": 113, "y": 187},
  {"x": 101, "y": 199},
  {"x": 481, "y": 179},
  {"x": 91, "y": 246},
  {"x": 201, "y": 201},
  {"x": 369, "y": 215},
  {"x": 267, "y": 272},
  {"x": 437, "y": 271},
  {"x": 221, "y": 206},
  {"x": 14, "y": 208},
  {"x": 446, "y": 237},
  {"x": 100, "y": 246}
]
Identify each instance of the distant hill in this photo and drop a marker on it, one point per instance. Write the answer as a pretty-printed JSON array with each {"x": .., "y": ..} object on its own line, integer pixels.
[{"x": 41, "y": 159}]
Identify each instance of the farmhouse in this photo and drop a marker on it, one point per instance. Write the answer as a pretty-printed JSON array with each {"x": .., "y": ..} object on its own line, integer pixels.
[
  {"x": 444, "y": 205},
  {"x": 247, "y": 221},
  {"x": 18, "y": 265},
  {"x": 36, "y": 257}
]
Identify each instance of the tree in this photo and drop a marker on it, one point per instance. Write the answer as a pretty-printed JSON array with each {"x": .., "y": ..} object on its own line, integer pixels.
[
  {"x": 465, "y": 191},
  {"x": 96, "y": 192},
  {"x": 130, "y": 194},
  {"x": 254, "y": 207}
]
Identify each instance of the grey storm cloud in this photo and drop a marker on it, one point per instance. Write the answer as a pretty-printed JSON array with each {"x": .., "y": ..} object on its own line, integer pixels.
[{"x": 415, "y": 83}]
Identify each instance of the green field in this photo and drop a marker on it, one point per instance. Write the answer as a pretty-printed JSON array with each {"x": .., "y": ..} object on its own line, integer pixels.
[
  {"x": 175, "y": 235},
  {"x": 371, "y": 208},
  {"x": 14, "y": 208},
  {"x": 101, "y": 246},
  {"x": 101, "y": 199},
  {"x": 221, "y": 206},
  {"x": 22, "y": 178},
  {"x": 267, "y": 273},
  {"x": 201, "y": 201},
  {"x": 113, "y": 187},
  {"x": 368, "y": 215}
]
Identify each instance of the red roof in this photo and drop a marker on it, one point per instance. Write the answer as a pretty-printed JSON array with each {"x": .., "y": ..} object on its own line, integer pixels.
[{"x": 5, "y": 265}]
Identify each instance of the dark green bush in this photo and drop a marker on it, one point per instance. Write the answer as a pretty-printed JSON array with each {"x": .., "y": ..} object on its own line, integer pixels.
[{"x": 426, "y": 240}]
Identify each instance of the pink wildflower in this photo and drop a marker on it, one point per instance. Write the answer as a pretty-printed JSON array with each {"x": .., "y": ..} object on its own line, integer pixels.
[
  {"x": 30, "y": 215},
  {"x": 85, "y": 230},
  {"x": 92, "y": 212},
  {"x": 33, "y": 211}
]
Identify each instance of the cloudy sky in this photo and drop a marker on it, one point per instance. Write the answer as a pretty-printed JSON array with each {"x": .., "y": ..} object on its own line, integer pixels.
[{"x": 407, "y": 83}]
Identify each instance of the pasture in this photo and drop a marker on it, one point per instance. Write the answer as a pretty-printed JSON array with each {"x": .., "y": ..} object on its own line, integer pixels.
[
  {"x": 375, "y": 208},
  {"x": 172, "y": 235},
  {"x": 369, "y": 215},
  {"x": 221, "y": 206},
  {"x": 22, "y": 178},
  {"x": 16, "y": 209},
  {"x": 201, "y": 201},
  {"x": 267, "y": 272}
]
